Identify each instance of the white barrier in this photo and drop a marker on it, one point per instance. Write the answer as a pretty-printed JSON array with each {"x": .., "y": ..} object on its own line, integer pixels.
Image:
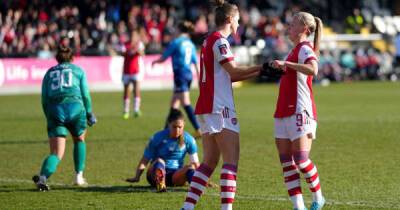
[{"x": 24, "y": 75}]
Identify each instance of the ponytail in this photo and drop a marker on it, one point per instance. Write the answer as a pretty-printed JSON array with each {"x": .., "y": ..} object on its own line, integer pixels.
[
  {"x": 317, "y": 34},
  {"x": 314, "y": 24}
]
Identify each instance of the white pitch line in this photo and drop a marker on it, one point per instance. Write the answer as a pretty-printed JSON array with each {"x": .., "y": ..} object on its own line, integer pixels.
[{"x": 359, "y": 203}]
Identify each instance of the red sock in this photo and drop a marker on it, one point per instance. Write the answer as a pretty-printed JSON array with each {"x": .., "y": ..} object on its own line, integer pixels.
[{"x": 197, "y": 186}]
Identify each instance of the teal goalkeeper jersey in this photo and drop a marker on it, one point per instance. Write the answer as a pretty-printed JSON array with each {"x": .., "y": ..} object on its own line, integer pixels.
[{"x": 65, "y": 83}]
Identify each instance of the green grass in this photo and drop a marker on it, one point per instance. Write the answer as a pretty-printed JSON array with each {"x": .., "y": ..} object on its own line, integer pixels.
[{"x": 357, "y": 152}]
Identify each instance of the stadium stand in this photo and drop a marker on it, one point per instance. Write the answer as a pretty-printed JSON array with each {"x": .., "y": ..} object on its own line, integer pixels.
[{"x": 33, "y": 28}]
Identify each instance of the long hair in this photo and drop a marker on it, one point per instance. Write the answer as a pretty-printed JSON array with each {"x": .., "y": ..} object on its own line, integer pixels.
[
  {"x": 223, "y": 11},
  {"x": 314, "y": 24},
  {"x": 174, "y": 115}
]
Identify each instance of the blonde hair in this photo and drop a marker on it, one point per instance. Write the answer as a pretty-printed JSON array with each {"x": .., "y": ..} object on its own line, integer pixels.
[
  {"x": 314, "y": 25},
  {"x": 223, "y": 11}
]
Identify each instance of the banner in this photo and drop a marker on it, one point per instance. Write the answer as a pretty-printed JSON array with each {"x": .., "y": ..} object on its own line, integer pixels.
[{"x": 24, "y": 75}]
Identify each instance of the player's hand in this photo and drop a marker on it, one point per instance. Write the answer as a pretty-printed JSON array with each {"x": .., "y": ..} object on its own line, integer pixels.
[
  {"x": 271, "y": 69},
  {"x": 133, "y": 179},
  {"x": 91, "y": 119},
  {"x": 278, "y": 64}
]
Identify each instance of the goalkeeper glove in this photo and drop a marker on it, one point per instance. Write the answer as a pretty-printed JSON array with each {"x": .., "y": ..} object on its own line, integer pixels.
[
  {"x": 269, "y": 71},
  {"x": 91, "y": 119}
]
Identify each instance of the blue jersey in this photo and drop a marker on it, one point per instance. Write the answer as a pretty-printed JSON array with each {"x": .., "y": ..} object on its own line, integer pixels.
[
  {"x": 183, "y": 53},
  {"x": 168, "y": 149}
]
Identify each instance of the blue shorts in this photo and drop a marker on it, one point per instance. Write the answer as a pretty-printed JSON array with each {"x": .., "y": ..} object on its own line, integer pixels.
[{"x": 182, "y": 85}]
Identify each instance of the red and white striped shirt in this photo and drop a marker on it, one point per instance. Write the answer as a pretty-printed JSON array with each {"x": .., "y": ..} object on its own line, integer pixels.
[
  {"x": 295, "y": 90},
  {"x": 133, "y": 61},
  {"x": 215, "y": 83}
]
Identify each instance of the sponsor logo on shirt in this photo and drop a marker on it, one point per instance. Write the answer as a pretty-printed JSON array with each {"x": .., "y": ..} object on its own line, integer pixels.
[{"x": 223, "y": 49}]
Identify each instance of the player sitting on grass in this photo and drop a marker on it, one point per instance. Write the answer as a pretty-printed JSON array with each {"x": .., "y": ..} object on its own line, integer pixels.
[
  {"x": 67, "y": 105},
  {"x": 166, "y": 150}
]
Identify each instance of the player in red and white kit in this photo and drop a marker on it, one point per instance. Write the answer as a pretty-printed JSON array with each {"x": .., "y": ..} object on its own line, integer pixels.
[
  {"x": 133, "y": 63},
  {"x": 216, "y": 110},
  {"x": 295, "y": 115}
]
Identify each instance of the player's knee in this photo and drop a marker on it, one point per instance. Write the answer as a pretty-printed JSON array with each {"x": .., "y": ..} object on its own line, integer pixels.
[
  {"x": 79, "y": 139},
  {"x": 300, "y": 156},
  {"x": 284, "y": 158},
  {"x": 160, "y": 160},
  {"x": 159, "y": 164}
]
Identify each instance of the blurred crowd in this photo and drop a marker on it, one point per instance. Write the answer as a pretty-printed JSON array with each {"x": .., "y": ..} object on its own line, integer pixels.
[{"x": 32, "y": 28}]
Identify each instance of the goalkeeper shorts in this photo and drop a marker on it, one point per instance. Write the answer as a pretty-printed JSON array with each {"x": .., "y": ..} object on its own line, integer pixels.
[
  {"x": 66, "y": 117},
  {"x": 295, "y": 126},
  {"x": 215, "y": 122}
]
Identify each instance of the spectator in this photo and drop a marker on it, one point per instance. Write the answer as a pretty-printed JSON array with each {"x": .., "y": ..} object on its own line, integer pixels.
[{"x": 354, "y": 22}]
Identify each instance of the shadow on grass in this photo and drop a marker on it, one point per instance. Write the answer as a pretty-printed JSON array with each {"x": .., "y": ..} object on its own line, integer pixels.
[
  {"x": 22, "y": 142},
  {"x": 120, "y": 189},
  {"x": 98, "y": 140},
  {"x": 91, "y": 188},
  {"x": 11, "y": 190}
]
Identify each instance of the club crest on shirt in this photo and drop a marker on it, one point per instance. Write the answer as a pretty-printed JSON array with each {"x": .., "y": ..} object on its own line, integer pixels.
[
  {"x": 234, "y": 121},
  {"x": 223, "y": 49}
]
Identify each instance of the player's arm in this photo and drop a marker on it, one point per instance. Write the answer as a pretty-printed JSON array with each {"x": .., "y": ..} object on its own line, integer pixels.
[
  {"x": 309, "y": 68},
  {"x": 195, "y": 62},
  {"x": 87, "y": 101},
  {"x": 241, "y": 73},
  {"x": 139, "y": 170},
  {"x": 192, "y": 152},
  {"x": 141, "y": 48},
  {"x": 225, "y": 57},
  {"x": 159, "y": 60},
  {"x": 44, "y": 95},
  {"x": 168, "y": 52},
  {"x": 149, "y": 154},
  {"x": 197, "y": 70},
  {"x": 194, "y": 160}
]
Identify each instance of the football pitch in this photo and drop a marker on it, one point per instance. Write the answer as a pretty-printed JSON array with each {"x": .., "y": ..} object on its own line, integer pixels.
[{"x": 357, "y": 152}]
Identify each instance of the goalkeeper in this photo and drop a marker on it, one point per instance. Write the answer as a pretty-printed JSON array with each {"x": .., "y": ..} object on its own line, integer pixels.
[{"x": 67, "y": 106}]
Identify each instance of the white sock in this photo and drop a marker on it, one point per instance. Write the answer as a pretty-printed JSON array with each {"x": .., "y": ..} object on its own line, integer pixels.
[
  {"x": 126, "y": 105},
  {"x": 42, "y": 179},
  {"x": 297, "y": 201},
  {"x": 317, "y": 196},
  {"x": 79, "y": 175},
  {"x": 136, "y": 104}
]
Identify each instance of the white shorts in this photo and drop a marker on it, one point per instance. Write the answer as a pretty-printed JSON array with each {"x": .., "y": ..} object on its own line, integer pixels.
[
  {"x": 215, "y": 122},
  {"x": 295, "y": 126},
  {"x": 128, "y": 78}
]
